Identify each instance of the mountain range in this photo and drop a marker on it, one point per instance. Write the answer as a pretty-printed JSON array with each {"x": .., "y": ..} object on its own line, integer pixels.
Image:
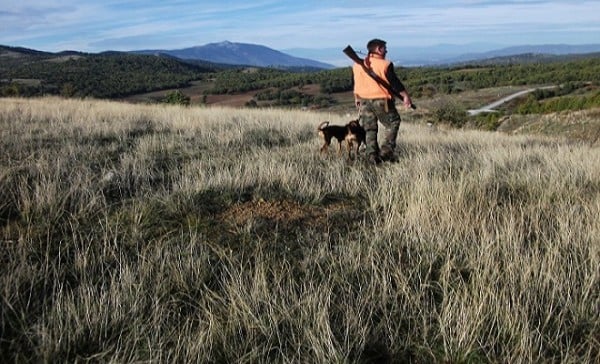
[
  {"x": 240, "y": 54},
  {"x": 445, "y": 54},
  {"x": 231, "y": 53}
]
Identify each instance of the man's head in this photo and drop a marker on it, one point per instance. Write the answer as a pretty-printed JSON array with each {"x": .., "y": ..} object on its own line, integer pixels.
[{"x": 377, "y": 46}]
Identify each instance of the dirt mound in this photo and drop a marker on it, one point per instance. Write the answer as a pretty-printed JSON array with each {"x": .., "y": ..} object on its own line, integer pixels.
[{"x": 285, "y": 214}]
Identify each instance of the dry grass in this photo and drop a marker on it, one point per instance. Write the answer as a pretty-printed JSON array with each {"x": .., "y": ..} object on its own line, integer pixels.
[
  {"x": 581, "y": 125},
  {"x": 134, "y": 233}
]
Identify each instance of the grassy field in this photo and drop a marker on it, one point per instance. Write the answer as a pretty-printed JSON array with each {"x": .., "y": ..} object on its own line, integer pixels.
[{"x": 152, "y": 233}]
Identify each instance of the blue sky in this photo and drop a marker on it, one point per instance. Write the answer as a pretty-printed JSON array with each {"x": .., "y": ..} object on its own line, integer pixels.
[{"x": 95, "y": 26}]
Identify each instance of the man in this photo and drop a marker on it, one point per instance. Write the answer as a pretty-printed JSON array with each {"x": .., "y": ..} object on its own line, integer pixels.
[{"x": 376, "y": 103}]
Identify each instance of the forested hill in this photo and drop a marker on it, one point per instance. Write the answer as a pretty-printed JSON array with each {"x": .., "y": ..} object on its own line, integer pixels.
[
  {"x": 422, "y": 81},
  {"x": 26, "y": 72},
  {"x": 106, "y": 75}
]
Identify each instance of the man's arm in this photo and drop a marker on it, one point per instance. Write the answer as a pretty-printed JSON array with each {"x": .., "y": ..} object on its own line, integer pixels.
[
  {"x": 397, "y": 85},
  {"x": 395, "y": 82}
]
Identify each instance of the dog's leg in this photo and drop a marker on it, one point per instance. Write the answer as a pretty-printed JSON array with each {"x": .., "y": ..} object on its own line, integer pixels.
[{"x": 326, "y": 142}]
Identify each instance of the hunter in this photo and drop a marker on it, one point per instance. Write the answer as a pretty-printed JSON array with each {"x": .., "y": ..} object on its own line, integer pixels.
[{"x": 376, "y": 103}]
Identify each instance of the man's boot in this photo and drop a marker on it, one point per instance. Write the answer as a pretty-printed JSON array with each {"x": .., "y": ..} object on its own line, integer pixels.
[
  {"x": 374, "y": 159},
  {"x": 387, "y": 155}
]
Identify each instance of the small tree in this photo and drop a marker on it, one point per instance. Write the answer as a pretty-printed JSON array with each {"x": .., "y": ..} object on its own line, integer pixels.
[
  {"x": 177, "y": 98},
  {"x": 11, "y": 90}
]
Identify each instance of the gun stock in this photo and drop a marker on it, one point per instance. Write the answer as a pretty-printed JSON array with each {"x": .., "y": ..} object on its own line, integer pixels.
[{"x": 349, "y": 51}]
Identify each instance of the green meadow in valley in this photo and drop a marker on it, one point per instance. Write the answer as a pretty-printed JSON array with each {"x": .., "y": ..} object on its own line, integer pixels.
[{"x": 162, "y": 233}]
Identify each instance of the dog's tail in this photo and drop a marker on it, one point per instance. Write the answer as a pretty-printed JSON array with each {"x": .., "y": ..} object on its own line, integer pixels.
[{"x": 322, "y": 125}]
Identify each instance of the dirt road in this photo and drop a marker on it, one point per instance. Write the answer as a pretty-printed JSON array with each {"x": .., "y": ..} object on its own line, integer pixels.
[{"x": 490, "y": 107}]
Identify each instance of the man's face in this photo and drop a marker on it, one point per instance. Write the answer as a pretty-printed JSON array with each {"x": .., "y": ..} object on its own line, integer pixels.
[{"x": 382, "y": 51}]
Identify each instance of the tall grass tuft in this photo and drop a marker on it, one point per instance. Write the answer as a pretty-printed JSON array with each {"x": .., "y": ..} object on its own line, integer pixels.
[{"x": 134, "y": 233}]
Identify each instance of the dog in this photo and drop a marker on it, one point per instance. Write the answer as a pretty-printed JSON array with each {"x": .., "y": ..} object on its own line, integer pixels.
[{"x": 353, "y": 133}]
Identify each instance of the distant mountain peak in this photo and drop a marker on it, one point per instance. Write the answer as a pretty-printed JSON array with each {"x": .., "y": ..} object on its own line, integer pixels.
[
  {"x": 233, "y": 53},
  {"x": 224, "y": 44}
]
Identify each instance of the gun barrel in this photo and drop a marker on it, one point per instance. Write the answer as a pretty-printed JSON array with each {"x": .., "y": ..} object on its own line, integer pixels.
[{"x": 352, "y": 54}]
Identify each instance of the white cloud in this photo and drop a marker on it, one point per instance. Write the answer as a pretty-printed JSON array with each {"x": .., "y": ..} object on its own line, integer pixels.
[{"x": 125, "y": 25}]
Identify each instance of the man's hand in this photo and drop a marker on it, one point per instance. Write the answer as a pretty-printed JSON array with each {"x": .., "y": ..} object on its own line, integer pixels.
[{"x": 406, "y": 100}]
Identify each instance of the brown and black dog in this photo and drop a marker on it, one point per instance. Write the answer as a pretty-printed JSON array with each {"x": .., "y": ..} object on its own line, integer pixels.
[{"x": 352, "y": 133}]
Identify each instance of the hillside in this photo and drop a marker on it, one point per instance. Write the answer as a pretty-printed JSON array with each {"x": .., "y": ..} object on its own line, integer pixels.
[
  {"x": 160, "y": 233},
  {"x": 109, "y": 75},
  {"x": 541, "y": 52}
]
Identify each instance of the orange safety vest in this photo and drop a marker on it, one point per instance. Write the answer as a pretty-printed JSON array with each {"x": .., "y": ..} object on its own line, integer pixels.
[{"x": 367, "y": 88}]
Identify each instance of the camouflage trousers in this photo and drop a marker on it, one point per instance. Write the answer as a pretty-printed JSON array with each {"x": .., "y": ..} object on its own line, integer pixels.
[{"x": 384, "y": 111}]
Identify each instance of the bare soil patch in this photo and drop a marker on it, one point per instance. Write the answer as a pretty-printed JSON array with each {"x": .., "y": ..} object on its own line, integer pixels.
[
  {"x": 237, "y": 100},
  {"x": 288, "y": 214}
]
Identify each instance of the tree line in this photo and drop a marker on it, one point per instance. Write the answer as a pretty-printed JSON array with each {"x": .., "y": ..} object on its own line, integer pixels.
[
  {"x": 117, "y": 75},
  {"x": 100, "y": 76},
  {"x": 421, "y": 81}
]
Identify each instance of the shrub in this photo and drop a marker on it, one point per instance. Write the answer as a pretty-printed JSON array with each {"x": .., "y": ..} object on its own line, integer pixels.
[
  {"x": 488, "y": 121},
  {"x": 176, "y": 97},
  {"x": 450, "y": 112}
]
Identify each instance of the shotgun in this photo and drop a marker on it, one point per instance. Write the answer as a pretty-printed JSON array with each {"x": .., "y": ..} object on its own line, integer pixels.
[{"x": 353, "y": 56}]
